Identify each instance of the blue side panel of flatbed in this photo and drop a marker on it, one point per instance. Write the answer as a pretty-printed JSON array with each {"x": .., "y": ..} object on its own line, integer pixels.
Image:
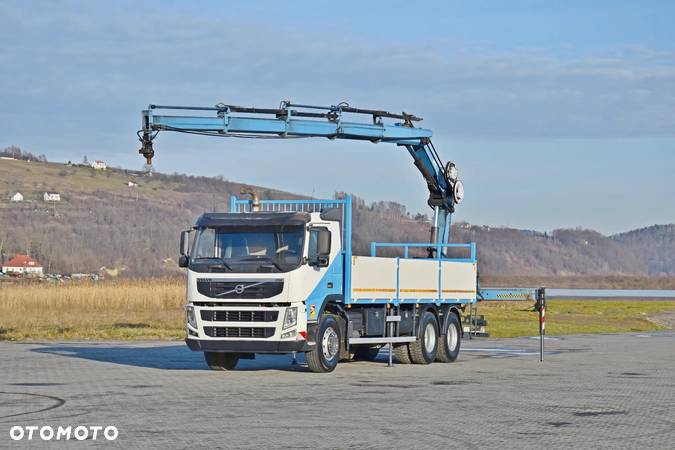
[{"x": 408, "y": 301}]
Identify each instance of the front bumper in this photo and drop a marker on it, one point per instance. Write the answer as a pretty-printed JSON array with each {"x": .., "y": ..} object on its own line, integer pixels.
[{"x": 237, "y": 346}]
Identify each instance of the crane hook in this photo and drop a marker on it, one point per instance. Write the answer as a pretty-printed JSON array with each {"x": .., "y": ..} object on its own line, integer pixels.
[{"x": 146, "y": 146}]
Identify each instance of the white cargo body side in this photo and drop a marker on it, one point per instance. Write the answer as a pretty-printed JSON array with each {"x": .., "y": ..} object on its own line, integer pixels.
[
  {"x": 418, "y": 279},
  {"x": 391, "y": 279},
  {"x": 373, "y": 277},
  {"x": 458, "y": 280}
]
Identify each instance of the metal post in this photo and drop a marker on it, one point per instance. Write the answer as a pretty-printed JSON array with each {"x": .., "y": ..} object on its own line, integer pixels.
[
  {"x": 347, "y": 264},
  {"x": 390, "y": 324},
  {"x": 433, "y": 238},
  {"x": 471, "y": 321},
  {"x": 391, "y": 354},
  {"x": 541, "y": 301},
  {"x": 434, "y": 226}
]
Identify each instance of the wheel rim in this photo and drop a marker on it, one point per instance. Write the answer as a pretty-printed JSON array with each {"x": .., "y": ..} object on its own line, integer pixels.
[
  {"x": 429, "y": 337},
  {"x": 330, "y": 343},
  {"x": 452, "y": 337}
]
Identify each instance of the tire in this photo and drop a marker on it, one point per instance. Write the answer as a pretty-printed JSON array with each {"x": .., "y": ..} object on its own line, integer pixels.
[
  {"x": 326, "y": 353},
  {"x": 366, "y": 352},
  {"x": 221, "y": 361},
  {"x": 451, "y": 339},
  {"x": 402, "y": 354},
  {"x": 425, "y": 348}
]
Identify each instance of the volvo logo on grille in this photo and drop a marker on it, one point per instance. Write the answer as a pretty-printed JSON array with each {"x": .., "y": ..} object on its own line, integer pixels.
[
  {"x": 224, "y": 288},
  {"x": 240, "y": 288}
]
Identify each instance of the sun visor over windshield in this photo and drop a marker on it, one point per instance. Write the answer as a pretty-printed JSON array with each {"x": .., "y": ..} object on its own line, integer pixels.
[{"x": 252, "y": 219}]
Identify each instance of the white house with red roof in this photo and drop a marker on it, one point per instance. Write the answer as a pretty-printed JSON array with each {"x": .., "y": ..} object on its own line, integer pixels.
[
  {"x": 99, "y": 165},
  {"x": 22, "y": 265}
]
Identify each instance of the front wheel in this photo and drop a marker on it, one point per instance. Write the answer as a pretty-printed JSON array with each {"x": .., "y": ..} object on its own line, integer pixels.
[
  {"x": 221, "y": 361},
  {"x": 326, "y": 353},
  {"x": 450, "y": 341}
]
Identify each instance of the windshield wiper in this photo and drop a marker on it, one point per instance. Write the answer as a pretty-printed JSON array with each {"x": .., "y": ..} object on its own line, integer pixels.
[
  {"x": 220, "y": 260},
  {"x": 263, "y": 258}
]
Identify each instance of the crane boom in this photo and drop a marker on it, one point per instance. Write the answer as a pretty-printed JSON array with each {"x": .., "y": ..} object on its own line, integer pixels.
[{"x": 332, "y": 122}]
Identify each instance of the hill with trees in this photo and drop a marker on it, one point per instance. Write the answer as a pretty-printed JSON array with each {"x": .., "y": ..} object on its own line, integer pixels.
[
  {"x": 125, "y": 222},
  {"x": 654, "y": 246}
]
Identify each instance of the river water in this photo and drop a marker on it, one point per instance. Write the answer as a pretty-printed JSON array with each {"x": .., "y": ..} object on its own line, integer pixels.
[{"x": 612, "y": 293}]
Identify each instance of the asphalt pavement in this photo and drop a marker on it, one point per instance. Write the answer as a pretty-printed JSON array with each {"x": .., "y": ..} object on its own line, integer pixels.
[{"x": 592, "y": 391}]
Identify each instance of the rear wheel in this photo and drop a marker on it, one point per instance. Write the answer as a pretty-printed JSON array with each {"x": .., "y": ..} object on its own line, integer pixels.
[
  {"x": 326, "y": 353},
  {"x": 221, "y": 361},
  {"x": 425, "y": 348},
  {"x": 402, "y": 354},
  {"x": 366, "y": 352},
  {"x": 451, "y": 339}
]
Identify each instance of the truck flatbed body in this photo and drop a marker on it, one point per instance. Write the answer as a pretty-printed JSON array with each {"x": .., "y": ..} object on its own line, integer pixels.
[{"x": 403, "y": 280}]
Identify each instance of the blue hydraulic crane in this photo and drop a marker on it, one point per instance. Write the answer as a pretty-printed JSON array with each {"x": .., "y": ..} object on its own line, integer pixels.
[
  {"x": 292, "y": 120},
  {"x": 302, "y": 121}
]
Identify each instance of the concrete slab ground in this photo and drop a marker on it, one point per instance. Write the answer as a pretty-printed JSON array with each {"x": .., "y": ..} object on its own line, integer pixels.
[{"x": 595, "y": 391}]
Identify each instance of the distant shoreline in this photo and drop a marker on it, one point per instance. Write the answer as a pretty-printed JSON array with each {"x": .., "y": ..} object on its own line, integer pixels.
[{"x": 581, "y": 281}]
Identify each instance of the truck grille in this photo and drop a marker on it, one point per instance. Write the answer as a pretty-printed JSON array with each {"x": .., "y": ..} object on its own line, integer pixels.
[
  {"x": 239, "y": 316},
  {"x": 252, "y": 289},
  {"x": 240, "y": 332}
]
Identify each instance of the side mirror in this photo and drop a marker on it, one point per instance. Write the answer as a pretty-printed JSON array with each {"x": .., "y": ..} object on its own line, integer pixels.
[
  {"x": 323, "y": 247},
  {"x": 184, "y": 242},
  {"x": 184, "y": 250},
  {"x": 319, "y": 256},
  {"x": 323, "y": 242},
  {"x": 183, "y": 261}
]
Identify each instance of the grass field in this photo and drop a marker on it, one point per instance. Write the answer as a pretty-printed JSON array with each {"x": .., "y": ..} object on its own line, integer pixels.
[
  {"x": 153, "y": 309},
  {"x": 511, "y": 319}
]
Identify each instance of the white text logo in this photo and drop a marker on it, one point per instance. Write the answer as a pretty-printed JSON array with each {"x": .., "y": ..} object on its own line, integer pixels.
[{"x": 47, "y": 433}]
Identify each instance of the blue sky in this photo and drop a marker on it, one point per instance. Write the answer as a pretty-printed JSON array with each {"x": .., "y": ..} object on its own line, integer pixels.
[{"x": 558, "y": 114}]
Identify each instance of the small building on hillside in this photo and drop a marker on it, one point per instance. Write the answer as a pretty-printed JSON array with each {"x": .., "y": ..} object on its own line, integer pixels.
[
  {"x": 99, "y": 165},
  {"x": 52, "y": 197},
  {"x": 18, "y": 197},
  {"x": 22, "y": 265}
]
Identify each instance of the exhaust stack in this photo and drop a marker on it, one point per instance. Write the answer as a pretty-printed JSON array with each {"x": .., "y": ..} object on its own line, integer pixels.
[{"x": 255, "y": 201}]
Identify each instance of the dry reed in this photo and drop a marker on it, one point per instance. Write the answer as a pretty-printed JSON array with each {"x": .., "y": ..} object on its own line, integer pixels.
[{"x": 105, "y": 310}]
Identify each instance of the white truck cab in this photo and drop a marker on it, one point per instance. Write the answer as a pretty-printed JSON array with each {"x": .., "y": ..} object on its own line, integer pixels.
[{"x": 249, "y": 277}]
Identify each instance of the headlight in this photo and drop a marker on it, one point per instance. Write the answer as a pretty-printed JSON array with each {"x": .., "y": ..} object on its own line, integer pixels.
[
  {"x": 190, "y": 316},
  {"x": 291, "y": 317},
  {"x": 288, "y": 334}
]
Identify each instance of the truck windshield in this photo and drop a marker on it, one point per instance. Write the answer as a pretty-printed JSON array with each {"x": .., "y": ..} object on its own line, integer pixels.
[{"x": 268, "y": 249}]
